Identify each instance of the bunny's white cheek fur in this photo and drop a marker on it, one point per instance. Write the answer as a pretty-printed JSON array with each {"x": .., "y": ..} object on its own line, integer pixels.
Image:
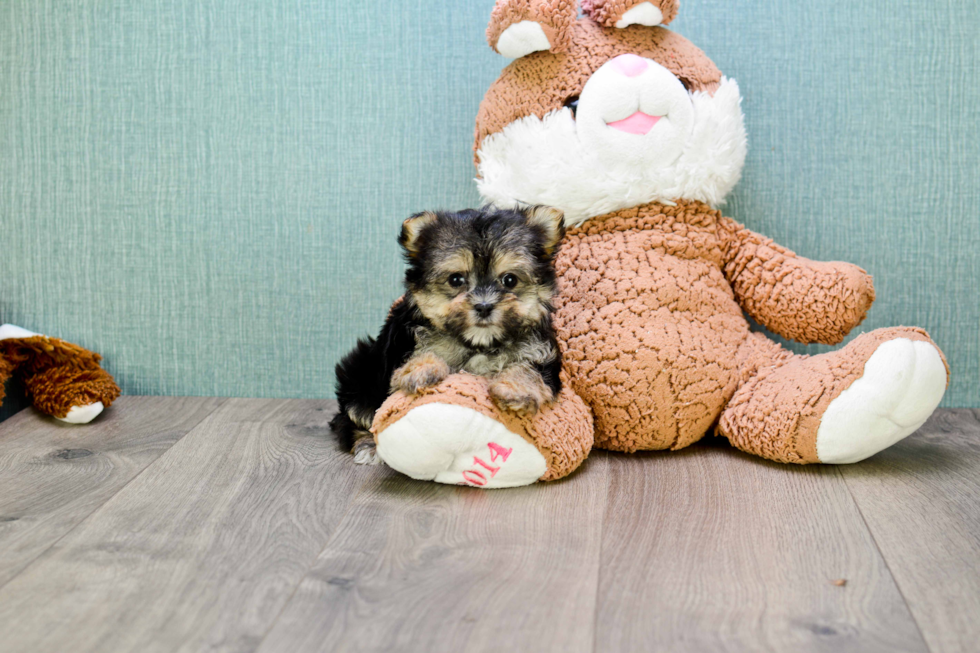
[{"x": 549, "y": 161}]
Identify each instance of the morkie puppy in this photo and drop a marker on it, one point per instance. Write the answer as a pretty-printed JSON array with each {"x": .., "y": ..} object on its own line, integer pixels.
[{"x": 478, "y": 297}]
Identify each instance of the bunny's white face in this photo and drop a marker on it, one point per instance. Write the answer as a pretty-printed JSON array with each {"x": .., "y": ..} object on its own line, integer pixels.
[
  {"x": 633, "y": 112},
  {"x": 636, "y": 135}
]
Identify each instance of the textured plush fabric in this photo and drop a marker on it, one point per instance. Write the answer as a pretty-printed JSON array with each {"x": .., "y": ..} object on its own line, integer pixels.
[
  {"x": 649, "y": 315},
  {"x": 648, "y": 325},
  {"x": 563, "y": 432},
  {"x": 57, "y": 375},
  {"x": 655, "y": 342},
  {"x": 564, "y": 161},
  {"x": 654, "y": 338},
  {"x": 538, "y": 84},
  {"x": 803, "y": 300},
  {"x": 208, "y": 191},
  {"x": 776, "y": 413},
  {"x": 556, "y": 18},
  {"x": 57, "y": 390},
  {"x": 608, "y": 12}
]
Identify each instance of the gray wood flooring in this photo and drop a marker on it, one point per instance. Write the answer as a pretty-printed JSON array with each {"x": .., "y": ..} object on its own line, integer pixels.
[{"x": 236, "y": 525}]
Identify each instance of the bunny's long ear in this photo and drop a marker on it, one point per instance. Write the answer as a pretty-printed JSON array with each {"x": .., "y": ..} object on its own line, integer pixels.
[
  {"x": 623, "y": 13},
  {"x": 519, "y": 27}
]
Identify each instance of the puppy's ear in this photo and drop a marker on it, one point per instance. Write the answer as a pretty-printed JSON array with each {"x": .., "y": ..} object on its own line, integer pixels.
[
  {"x": 411, "y": 229},
  {"x": 551, "y": 221}
]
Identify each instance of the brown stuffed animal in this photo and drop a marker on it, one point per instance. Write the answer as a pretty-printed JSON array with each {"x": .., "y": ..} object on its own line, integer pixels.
[
  {"x": 635, "y": 134},
  {"x": 62, "y": 379}
]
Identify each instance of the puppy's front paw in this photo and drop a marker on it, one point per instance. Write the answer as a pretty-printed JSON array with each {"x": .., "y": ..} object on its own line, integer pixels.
[
  {"x": 519, "y": 391},
  {"x": 512, "y": 400},
  {"x": 418, "y": 373}
]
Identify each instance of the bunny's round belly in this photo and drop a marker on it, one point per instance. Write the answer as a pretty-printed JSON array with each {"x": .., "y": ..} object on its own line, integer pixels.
[{"x": 650, "y": 335}]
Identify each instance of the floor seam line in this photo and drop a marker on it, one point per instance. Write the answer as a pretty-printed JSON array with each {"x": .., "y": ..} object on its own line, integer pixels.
[
  {"x": 316, "y": 558},
  {"x": 110, "y": 498},
  {"x": 602, "y": 545},
  {"x": 881, "y": 554}
]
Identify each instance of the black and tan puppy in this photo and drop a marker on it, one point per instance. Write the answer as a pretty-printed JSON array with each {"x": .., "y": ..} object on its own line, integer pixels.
[{"x": 478, "y": 297}]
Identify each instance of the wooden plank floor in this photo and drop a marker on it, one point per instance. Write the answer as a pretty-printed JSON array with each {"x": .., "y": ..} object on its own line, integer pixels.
[{"x": 235, "y": 525}]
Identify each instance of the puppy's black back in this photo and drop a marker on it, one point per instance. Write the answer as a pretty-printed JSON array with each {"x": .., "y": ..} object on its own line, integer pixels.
[{"x": 364, "y": 374}]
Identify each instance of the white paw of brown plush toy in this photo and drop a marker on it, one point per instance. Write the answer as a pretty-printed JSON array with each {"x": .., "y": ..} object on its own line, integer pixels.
[
  {"x": 635, "y": 134},
  {"x": 62, "y": 380}
]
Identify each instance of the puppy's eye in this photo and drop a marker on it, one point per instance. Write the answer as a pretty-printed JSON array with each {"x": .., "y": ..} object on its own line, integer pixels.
[
  {"x": 572, "y": 103},
  {"x": 457, "y": 280},
  {"x": 509, "y": 281}
]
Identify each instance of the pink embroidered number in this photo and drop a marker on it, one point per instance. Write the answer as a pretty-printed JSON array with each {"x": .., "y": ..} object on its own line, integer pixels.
[
  {"x": 477, "y": 478},
  {"x": 496, "y": 451},
  {"x": 490, "y": 468}
]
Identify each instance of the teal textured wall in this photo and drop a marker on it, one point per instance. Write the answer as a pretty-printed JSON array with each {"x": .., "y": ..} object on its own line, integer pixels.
[{"x": 208, "y": 191}]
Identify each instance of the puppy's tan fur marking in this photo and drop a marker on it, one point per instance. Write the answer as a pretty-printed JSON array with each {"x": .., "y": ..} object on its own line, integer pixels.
[
  {"x": 411, "y": 229},
  {"x": 438, "y": 308},
  {"x": 520, "y": 389},
  {"x": 422, "y": 370},
  {"x": 362, "y": 418},
  {"x": 552, "y": 221},
  {"x": 461, "y": 261},
  {"x": 513, "y": 262}
]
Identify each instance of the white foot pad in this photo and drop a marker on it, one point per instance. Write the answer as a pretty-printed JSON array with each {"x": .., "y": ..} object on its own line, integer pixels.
[
  {"x": 459, "y": 446},
  {"x": 903, "y": 382},
  {"x": 83, "y": 414}
]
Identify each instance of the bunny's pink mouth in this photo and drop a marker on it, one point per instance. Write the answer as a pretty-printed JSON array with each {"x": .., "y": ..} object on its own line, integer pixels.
[{"x": 639, "y": 123}]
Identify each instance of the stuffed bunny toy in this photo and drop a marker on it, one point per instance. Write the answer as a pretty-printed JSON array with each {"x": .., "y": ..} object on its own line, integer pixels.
[{"x": 636, "y": 136}]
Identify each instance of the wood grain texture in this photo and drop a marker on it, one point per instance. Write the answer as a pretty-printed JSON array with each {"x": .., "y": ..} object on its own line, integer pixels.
[
  {"x": 921, "y": 500},
  {"x": 202, "y": 550},
  {"x": 708, "y": 549},
  {"x": 53, "y": 476},
  {"x": 253, "y": 533},
  {"x": 421, "y": 567}
]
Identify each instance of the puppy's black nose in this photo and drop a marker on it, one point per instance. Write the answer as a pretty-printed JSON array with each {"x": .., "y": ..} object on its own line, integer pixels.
[{"x": 483, "y": 309}]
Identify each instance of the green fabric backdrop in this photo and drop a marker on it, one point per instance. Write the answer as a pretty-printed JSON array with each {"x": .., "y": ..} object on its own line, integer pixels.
[{"x": 208, "y": 191}]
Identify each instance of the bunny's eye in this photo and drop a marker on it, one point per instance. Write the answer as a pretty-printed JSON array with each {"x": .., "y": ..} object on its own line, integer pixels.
[{"x": 572, "y": 103}]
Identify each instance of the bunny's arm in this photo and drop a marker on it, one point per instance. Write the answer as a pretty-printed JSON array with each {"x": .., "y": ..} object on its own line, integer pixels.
[{"x": 807, "y": 301}]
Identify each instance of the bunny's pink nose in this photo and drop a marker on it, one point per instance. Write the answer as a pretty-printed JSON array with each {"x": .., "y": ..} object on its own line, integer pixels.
[{"x": 630, "y": 64}]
